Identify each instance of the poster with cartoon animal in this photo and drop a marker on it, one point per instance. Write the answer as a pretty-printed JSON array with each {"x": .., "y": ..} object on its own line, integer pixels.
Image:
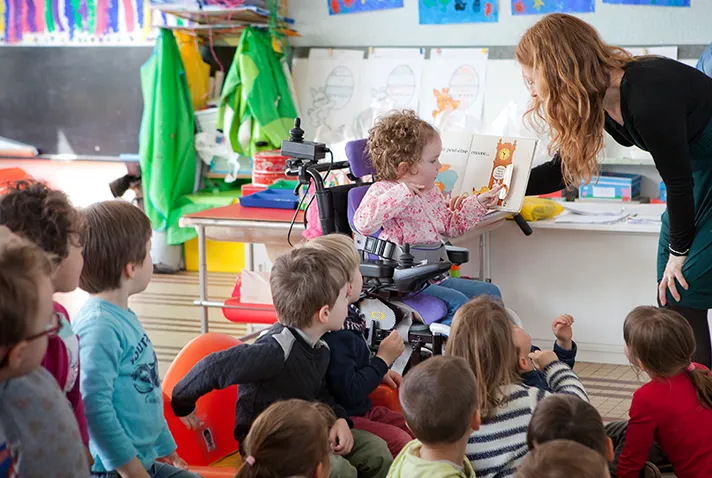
[
  {"x": 454, "y": 82},
  {"x": 392, "y": 81},
  {"x": 473, "y": 164},
  {"x": 330, "y": 92}
]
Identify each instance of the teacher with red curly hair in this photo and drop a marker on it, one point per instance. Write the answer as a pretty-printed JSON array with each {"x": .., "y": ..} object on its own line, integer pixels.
[{"x": 581, "y": 87}]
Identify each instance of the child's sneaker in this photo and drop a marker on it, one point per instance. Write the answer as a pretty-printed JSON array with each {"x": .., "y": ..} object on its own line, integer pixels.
[{"x": 651, "y": 471}]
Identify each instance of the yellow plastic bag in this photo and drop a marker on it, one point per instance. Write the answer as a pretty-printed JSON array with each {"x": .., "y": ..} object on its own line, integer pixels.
[
  {"x": 536, "y": 209},
  {"x": 197, "y": 72}
]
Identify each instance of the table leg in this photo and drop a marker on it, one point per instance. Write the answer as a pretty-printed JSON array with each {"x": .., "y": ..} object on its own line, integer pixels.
[
  {"x": 203, "y": 276},
  {"x": 249, "y": 256},
  {"x": 485, "y": 257}
]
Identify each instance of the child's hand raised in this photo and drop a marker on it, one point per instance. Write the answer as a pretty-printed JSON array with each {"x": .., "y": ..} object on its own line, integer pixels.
[
  {"x": 391, "y": 347},
  {"x": 340, "y": 437},
  {"x": 541, "y": 359},
  {"x": 489, "y": 199},
  {"x": 563, "y": 331},
  {"x": 393, "y": 379},
  {"x": 192, "y": 422}
]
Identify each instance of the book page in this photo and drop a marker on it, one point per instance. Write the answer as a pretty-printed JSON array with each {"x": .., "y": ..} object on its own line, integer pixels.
[
  {"x": 454, "y": 157},
  {"x": 481, "y": 162}
]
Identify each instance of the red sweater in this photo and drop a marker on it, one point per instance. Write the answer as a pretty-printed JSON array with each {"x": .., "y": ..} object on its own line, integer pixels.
[{"x": 669, "y": 412}]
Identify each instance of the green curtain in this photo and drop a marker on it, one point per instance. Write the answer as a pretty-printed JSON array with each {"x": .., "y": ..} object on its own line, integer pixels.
[
  {"x": 166, "y": 141},
  {"x": 256, "y": 89}
]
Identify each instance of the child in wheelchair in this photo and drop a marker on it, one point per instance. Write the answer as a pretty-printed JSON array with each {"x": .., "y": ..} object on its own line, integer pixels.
[{"x": 406, "y": 205}]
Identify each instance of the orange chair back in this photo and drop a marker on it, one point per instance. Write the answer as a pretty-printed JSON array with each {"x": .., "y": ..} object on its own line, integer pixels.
[{"x": 216, "y": 409}]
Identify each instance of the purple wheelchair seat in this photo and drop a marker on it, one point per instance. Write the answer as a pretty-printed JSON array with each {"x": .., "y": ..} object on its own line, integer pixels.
[{"x": 430, "y": 308}]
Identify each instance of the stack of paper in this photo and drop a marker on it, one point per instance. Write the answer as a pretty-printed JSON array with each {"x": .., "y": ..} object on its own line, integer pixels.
[
  {"x": 14, "y": 148},
  {"x": 586, "y": 219},
  {"x": 644, "y": 219}
]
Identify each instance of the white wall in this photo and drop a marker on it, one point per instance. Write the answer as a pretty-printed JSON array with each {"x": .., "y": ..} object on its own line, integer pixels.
[{"x": 618, "y": 24}]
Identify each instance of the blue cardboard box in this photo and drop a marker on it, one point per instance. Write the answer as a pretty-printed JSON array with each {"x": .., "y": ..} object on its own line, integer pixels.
[{"x": 620, "y": 186}]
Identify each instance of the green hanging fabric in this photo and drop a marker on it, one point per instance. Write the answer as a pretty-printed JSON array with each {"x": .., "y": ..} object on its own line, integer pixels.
[
  {"x": 257, "y": 91},
  {"x": 166, "y": 141}
]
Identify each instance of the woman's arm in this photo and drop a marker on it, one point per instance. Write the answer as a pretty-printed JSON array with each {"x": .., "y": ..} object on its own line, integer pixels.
[{"x": 546, "y": 178}]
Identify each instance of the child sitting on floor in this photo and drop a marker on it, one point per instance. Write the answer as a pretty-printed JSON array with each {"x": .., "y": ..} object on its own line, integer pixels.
[
  {"x": 353, "y": 374},
  {"x": 564, "y": 348},
  {"x": 290, "y": 438},
  {"x": 563, "y": 459},
  {"x": 439, "y": 400},
  {"x": 674, "y": 409},
  {"x": 124, "y": 404},
  {"x": 407, "y": 205},
  {"x": 482, "y": 335},
  {"x": 310, "y": 292},
  {"x": 39, "y": 435},
  {"x": 47, "y": 218}
]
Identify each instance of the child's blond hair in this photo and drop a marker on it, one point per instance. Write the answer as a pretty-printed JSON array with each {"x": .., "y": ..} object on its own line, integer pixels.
[
  {"x": 482, "y": 335},
  {"x": 22, "y": 265},
  {"x": 399, "y": 137},
  {"x": 338, "y": 247}
]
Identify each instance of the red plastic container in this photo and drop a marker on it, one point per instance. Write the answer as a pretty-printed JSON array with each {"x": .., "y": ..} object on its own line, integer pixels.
[{"x": 268, "y": 167}]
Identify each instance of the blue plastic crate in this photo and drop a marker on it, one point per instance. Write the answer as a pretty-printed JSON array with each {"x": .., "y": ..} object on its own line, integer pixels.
[{"x": 271, "y": 198}]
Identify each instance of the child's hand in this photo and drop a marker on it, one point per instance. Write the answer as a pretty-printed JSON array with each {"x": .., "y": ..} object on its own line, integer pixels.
[
  {"x": 455, "y": 203},
  {"x": 340, "y": 437},
  {"x": 391, "y": 347},
  {"x": 175, "y": 460},
  {"x": 489, "y": 199},
  {"x": 541, "y": 359},
  {"x": 393, "y": 379},
  {"x": 415, "y": 188},
  {"x": 563, "y": 332},
  {"x": 90, "y": 459},
  {"x": 192, "y": 422}
]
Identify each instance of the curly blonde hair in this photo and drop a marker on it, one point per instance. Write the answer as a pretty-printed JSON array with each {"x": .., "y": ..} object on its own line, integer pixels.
[
  {"x": 572, "y": 67},
  {"x": 397, "y": 138}
]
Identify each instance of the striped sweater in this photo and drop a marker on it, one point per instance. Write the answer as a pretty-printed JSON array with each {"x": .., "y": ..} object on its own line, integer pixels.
[{"x": 500, "y": 445}]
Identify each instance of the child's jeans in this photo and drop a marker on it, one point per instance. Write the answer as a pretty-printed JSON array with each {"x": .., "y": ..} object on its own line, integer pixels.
[
  {"x": 369, "y": 458},
  {"x": 387, "y": 424},
  {"x": 457, "y": 292},
  {"x": 158, "y": 470}
]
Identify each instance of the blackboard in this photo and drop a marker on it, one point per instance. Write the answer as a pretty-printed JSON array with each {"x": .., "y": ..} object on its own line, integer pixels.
[{"x": 81, "y": 100}]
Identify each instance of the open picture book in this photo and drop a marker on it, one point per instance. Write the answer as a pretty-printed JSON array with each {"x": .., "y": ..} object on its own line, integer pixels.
[{"x": 475, "y": 163}]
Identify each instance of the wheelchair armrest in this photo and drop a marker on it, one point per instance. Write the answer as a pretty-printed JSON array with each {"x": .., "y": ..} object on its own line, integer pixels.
[
  {"x": 457, "y": 255},
  {"x": 440, "y": 329},
  {"x": 413, "y": 278},
  {"x": 377, "y": 269}
]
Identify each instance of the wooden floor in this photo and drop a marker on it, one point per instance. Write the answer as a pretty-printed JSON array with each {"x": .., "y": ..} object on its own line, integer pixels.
[{"x": 171, "y": 320}]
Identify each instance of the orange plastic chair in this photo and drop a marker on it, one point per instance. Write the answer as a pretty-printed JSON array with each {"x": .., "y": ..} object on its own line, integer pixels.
[
  {"x": 248, "y": 313},
  {"x": 216, "y": 409},
  {"x": 9, "y": 176}
]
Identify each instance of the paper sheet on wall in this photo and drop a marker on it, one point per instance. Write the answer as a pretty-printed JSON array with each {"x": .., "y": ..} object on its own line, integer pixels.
[
  {"x": 655, "y": 3},
  {"x": 445, "y": 11},
  {"x": 392, "y": 81},
  {"x": 666, "y": 51},
  {"x": 452, "y": 93},
  {"x": 330, "y": 94}
]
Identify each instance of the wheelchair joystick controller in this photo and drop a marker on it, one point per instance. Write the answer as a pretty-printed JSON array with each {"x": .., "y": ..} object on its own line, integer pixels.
[{"x": 406, "y": 259}]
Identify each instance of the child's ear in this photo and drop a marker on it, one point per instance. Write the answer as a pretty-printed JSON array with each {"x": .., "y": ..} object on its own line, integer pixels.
[
  {"x": 324, "y": 314},
  {"x": 319, "y": 472},
  {"x": 476, "y": 420},
  {"x": 15, "y": 355},
  {"x": 130, "y": 271},
  {"x": 403, "y": 169},
  {"x": 522, "y": 363},
  {"x": 610, "y": 450}
]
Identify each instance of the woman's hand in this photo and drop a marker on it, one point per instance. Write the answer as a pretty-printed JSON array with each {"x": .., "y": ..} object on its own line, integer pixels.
[{"x": 673, "y": 272}]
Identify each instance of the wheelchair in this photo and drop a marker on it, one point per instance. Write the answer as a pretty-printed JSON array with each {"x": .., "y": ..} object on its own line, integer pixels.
[{"x": 393, "y": 275}]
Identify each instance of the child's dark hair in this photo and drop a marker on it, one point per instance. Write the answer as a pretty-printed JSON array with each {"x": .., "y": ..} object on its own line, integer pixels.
[
  {"x": 290, "y": 438},
  {"x": 436, "y": 381},
  {"x": 563, "y": 459},
  {"x": 399, "y": 137},
  {"x": 117, "y": 234},
  {"x": 565, "y": 417},
  {"x": 22, "y": 264},
  {"x": 663, "y": 341},
  {"x": 482, "y": 335},
  {"x": 42, "y": 215},
  {"x": 304, "y": 280}
]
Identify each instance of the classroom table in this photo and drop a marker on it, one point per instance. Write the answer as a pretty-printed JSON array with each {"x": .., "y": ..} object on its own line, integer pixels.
[{"x": 235, "y": 223}]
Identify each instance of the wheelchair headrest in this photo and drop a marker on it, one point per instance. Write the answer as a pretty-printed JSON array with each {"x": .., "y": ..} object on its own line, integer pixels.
[{"x": 360, "y": 161}]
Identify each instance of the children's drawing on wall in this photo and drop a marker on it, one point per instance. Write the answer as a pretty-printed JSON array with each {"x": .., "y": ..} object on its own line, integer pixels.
[
  {"x": 329, "y": 97},
  {"x": 391, "y": 82},
  {"x": 446, "y": 180},
  {"x": 52, "y": 22},
  {"x": 452, "y": 93},
  {"x": 354, "y": 6},
  {"x": 655, "y": 3},
  {"x": 536, "y": 7},
  {"x": 457, "y": 11}
]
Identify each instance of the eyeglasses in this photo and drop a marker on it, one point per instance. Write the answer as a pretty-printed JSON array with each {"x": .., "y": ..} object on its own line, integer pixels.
[{"x": 53, "y": 327}]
